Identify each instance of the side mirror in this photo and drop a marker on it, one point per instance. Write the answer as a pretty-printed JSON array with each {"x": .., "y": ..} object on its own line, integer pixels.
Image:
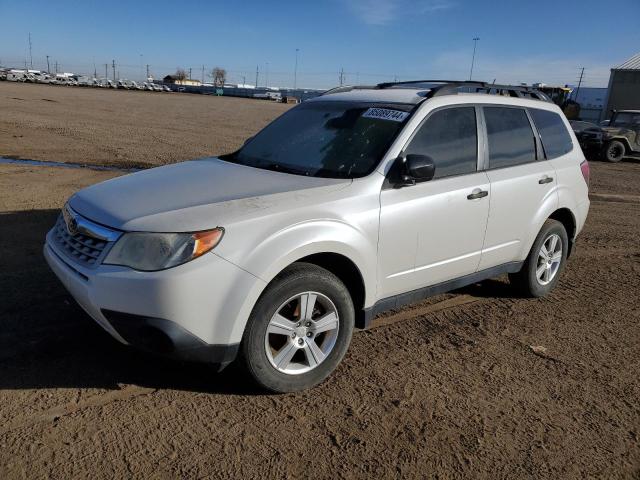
[{"x": 418, "y": 168}]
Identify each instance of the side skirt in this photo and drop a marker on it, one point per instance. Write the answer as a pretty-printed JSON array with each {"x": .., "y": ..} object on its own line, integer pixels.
[{"x": 403, "y": 299}]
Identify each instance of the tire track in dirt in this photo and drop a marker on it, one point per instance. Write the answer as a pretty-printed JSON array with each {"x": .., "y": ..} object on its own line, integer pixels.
[{"x": 55, "y": 413}]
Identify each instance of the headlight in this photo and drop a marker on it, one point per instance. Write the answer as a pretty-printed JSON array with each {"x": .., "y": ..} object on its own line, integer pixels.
[{"x": 158, "y": 251}]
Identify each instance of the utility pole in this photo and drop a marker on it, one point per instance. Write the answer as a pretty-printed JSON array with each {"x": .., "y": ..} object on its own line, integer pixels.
[
  {"x": 147, "y": 70},
  {"x": 341, "y": 77},
  {"x": 113, "y": 67},
  {"x": 189, "y": 73},
  {"x": 48, "y": 70},
  {"x": 295, "y": 71},
  {"x": 56, "y": 66},
  {"x": 579, "y": 84},
  {"x": 202, "y": 74},
  {"x": 473, "y": 58},
  {"x": 106, "y": 74},
  {"x": 30, "y": 55},
  {"x": 257, "y": 71}
]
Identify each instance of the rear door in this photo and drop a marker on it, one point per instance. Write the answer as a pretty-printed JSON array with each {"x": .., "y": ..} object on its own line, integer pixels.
[{"x": 522, "y": 180}]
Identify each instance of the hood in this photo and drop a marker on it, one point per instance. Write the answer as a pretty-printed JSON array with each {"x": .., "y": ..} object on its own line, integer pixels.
[
  {"x": 194, "y": 195},
  {"x": 615, "y": 131}
]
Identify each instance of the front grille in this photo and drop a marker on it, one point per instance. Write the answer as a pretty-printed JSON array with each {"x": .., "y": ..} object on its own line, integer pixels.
[{"x": 82, "y": 248}]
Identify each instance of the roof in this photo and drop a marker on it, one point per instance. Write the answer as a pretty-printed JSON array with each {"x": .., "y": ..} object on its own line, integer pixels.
[
  {"x": 416, "y": 91},
  {"x": 404, "y": 95},
  {"x": 632, "y": 64}
]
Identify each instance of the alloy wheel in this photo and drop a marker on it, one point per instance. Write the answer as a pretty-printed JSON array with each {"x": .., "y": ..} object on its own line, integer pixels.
[
  {"x": 549, "y": 259},
  {"x": 302, "y": 333}
]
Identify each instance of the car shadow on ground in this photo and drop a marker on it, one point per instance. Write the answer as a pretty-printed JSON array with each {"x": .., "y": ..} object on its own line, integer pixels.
[{"x": 48, "y": 341}]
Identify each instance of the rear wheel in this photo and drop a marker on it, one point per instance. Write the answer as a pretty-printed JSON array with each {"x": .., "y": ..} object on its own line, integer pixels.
[
  {"x": 299, "y": 330},
  {"x": 542, "y": 268},
  {"x": 614, "y": 151}
]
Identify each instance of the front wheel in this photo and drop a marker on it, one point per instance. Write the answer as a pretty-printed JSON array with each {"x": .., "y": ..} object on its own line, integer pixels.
[
  {"x": 614, "y": 151},
  {"x": 299, "y": 330},
  {"x": 547, "y": 258}
]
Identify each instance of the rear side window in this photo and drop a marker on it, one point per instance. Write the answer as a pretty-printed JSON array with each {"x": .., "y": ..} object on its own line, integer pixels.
[
  {"x": 450, "y": 137},
  {"x": 556, "y": 141},
  {"x": 511, "y": 140}
]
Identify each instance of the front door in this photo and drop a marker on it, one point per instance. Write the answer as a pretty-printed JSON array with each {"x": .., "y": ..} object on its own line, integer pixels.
[{"x": 433, "y": 231}]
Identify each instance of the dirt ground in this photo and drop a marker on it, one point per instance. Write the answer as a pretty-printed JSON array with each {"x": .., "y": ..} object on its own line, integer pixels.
[
  {"x": 121, "y": 127},
  {"x": 455, "y": 387}
]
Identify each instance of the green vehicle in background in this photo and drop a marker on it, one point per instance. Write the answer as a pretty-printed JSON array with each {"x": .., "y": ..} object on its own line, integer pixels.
[{"x": 622, "y": 136}]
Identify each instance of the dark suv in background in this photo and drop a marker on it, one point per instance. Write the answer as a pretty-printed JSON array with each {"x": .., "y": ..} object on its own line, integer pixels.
[{"x": 622, "y": 136}]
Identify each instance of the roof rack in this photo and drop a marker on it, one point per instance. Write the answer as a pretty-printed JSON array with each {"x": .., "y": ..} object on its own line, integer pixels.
[{"x": 436, "y": 88}]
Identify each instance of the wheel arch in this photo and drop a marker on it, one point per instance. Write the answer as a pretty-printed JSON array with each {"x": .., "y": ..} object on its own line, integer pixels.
[
  {"x": 622, "y": 139},
  {"x": 348, "y": 272},
  {"x": 568, "y": 220}
]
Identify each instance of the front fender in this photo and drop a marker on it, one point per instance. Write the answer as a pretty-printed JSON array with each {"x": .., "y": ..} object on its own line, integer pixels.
[{"x": 286, "y": 246}]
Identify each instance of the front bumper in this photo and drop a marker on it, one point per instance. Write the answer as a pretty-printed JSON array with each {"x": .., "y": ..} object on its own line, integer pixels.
[{"x": 195, "y": 311}]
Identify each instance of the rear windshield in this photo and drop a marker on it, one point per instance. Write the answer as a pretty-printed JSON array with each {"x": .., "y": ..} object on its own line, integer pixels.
[{"x": 326, "y": 139}]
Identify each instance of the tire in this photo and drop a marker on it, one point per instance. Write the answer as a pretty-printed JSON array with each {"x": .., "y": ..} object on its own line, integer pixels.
[
  {"x": 537, "y": 277},
  {"x": 614, "y": 151},
  {"x": 313, "y": 348}
]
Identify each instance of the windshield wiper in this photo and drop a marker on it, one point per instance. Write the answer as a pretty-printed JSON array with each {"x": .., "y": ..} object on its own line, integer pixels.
[{"x": 277, "y": 167}]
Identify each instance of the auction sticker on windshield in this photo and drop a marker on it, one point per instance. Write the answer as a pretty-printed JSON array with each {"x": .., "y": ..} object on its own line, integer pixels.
[{"x": 385, "y": 114}]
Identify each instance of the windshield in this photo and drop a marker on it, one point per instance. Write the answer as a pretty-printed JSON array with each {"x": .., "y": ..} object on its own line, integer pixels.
[
  {"x": 627, "y": 119},
  {"x": 325, "y": 139}
]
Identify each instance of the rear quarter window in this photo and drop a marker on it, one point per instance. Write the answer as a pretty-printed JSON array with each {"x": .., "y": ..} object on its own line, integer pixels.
[{"x": 556, "y": 140}]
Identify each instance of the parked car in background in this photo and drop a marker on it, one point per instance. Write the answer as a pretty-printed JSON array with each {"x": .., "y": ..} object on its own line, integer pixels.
[
  {"x": 349, "y": 204},
  {"x": 15, "y": 76},
  {"x": 589, "y": 135},
  {"x": 622, "y": 135},
  {"x": 166, "y": 88}
]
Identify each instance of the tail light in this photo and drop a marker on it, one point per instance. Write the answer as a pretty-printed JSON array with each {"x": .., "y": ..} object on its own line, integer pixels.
[{"x": 584, "y": 168}]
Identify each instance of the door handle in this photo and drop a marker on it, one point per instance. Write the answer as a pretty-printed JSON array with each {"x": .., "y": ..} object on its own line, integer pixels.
[
  {"x": 545, "y": 179},
  {"x": 477, "y": 193}
]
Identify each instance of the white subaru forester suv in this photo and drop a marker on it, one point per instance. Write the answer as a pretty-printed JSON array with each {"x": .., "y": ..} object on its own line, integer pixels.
[{"x": 358, "y": 201}]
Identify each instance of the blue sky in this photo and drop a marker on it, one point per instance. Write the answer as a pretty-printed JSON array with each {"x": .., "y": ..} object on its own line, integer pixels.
[{"x": 373, "y": 40}]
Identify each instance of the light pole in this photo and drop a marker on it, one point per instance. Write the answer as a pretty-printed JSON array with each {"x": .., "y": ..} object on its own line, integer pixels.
[
  {"x": 295, "y": 71},
  {"x": 473, "y": 58},
  {"x": 266, "y": 73}
]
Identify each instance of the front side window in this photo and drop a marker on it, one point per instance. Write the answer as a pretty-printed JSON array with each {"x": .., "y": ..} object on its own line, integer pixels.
[
  {"x": 556, "y": 141},
  {"x": 325, "y": 139},
  {"x": 450, "y": 138},
  {"x": 511, "y": 140}
]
